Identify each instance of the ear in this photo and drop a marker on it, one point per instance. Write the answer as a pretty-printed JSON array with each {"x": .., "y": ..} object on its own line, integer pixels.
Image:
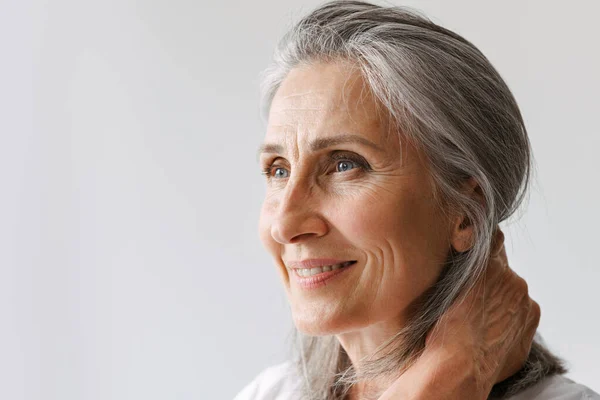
[{"x": 462, "y": 235}]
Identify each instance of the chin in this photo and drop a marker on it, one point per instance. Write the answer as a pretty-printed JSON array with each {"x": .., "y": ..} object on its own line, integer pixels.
[
  {"x": 314, "y": 323},
  {"x": 319, "y": 323},
  {"x": 312, "y": 328}
]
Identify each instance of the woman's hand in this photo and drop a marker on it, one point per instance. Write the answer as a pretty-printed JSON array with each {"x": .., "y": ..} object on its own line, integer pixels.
[{"x": 478, "y": 342}]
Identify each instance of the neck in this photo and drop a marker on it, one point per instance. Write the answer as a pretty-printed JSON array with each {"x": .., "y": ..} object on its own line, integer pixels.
[{"x": 362, "y": 344}]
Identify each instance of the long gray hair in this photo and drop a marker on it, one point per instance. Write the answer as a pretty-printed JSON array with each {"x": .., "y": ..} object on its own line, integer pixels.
[{"x": 441, "y": 93}]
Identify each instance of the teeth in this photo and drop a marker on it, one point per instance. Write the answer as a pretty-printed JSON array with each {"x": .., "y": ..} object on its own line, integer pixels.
[{"x": 319, "y": 270}]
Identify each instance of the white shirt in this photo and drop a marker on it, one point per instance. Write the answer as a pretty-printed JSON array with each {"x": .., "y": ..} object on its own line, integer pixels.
[{"x": 279, "y": 382}]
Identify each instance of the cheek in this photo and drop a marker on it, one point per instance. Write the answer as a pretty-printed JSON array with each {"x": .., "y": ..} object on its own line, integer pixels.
[
  {"x": 399, "y": 224},
  {"x": 368, "y": 218}
]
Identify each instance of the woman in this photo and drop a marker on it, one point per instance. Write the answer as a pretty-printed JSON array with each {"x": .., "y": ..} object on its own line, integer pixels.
[{"x": 393, "y": 151}]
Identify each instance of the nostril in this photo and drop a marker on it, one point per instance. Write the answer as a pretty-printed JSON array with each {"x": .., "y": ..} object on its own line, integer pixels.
[
  {"x": 302, "y": 236},
  {"x": 298, "y": 226}
]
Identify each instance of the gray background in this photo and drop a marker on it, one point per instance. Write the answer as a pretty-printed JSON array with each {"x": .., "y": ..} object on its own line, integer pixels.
[{"x": 129, "y": 259}]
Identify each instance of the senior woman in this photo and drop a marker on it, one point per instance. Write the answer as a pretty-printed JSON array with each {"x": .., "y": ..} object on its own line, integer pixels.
[{"x": 393, "y": 151}]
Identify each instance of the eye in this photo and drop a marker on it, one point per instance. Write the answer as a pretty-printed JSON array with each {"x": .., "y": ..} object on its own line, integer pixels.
[
  {"x": 279, "y": 173},
  {"x": 345, "y": 161},
  {"x": 345, "y": 165},
  {"x": 275, "y": 172}
]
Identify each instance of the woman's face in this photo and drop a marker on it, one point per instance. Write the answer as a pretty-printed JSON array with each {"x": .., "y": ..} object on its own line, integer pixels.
[{"x": 339, "y": 191}]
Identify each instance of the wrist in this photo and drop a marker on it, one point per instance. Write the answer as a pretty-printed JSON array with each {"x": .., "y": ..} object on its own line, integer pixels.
[{"x": 449, "y": 376}]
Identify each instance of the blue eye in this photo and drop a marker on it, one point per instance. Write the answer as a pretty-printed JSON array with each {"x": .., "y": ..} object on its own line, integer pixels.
[
  {"x": 280, "y": 173},
  {"x": 345, "y": 165}
]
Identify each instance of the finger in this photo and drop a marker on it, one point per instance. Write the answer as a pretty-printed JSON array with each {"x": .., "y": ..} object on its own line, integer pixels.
[
  {"x": 497, "y": 267},
  {"x": 525, "y": 329},
  {"x": 525, "y": 325},
  {"x": 533, "y": 321},
  {"x": 497, "y": 243}
]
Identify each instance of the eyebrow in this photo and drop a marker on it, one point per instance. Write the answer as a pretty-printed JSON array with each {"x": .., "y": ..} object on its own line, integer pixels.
[{"x": 322, "y": 143}]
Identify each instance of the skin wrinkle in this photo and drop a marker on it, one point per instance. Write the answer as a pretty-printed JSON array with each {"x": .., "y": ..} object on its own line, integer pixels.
[
  {"x": 386, "y": 217},
  {"x": 411, "y": 65}
]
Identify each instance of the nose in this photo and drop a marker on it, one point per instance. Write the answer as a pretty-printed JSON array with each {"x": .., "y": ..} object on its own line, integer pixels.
[{"x": 298, "y": 216}]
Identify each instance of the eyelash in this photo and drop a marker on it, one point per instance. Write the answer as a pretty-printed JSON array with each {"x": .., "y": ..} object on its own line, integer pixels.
[{"x": 360, "y": 162}]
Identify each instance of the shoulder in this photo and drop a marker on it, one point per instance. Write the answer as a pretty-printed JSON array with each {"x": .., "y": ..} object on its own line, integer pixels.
[
  {"x": 557, "y": 387},
  {"x": 281, "y": 382},
  {"x": 278, "y": 382}
]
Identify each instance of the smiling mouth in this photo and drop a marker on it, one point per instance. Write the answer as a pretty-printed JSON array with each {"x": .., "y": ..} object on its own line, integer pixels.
[{"x": 304, "y": 272}]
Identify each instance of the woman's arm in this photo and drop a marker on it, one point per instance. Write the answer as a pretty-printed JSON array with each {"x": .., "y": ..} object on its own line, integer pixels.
[{"x": 479, "y": 341}]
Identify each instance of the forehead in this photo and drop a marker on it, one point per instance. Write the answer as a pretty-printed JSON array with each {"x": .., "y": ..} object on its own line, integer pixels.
[{"x": 324, "y": 100}]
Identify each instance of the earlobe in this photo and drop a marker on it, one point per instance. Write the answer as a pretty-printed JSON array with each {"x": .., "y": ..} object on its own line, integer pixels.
[
  {"x": 462, "y": 234},
  {"x": 463, "y": 230}
]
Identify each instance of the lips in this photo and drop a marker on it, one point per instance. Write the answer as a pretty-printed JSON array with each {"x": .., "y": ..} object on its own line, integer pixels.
[
  {"x": 317, "y": 263},
  {"x": 316, "y": 273},
  {"x": 325, "y": 268}
]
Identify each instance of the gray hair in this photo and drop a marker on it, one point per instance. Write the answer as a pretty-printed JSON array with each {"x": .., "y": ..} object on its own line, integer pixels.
[{"x": 441, "y": 93}]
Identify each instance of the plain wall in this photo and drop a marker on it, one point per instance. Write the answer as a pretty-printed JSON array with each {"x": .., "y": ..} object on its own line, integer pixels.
[{"x": 129, "y": 258}]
